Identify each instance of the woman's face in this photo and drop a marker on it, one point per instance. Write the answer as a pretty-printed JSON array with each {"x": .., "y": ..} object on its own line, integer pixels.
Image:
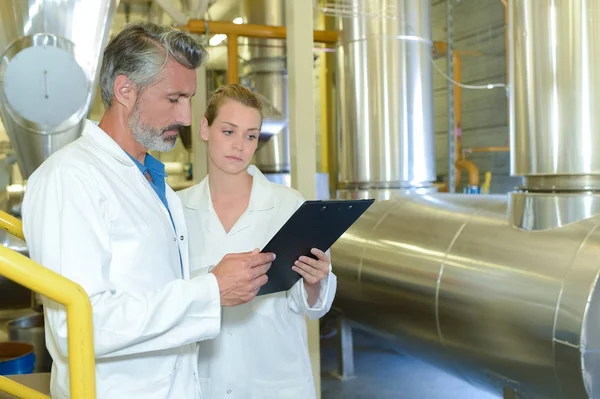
[{"x": 233, "y": 136}]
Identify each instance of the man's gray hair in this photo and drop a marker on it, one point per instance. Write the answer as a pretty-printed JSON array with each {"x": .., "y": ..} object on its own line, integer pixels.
[{"x": 140, "y": 52}]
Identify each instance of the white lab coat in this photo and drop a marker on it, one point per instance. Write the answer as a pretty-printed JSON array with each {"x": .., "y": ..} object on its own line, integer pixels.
[
  {"x": 90, "y": 215},
  {"x": 262, "y": 351}
]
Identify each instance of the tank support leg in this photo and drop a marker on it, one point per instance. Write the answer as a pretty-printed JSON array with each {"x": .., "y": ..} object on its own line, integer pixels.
[{"x": 345, "y": 369}]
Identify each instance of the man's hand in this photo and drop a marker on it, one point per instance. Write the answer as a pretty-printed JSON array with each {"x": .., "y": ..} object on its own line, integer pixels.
[{"x": 240, "y": 276}]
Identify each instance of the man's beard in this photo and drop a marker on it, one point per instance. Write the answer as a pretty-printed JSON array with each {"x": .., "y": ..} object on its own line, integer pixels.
[{"x": 151, "y": 137}]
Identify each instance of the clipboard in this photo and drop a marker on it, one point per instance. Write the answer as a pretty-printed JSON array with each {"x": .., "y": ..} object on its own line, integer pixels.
[{"x": 316, "y": 224}]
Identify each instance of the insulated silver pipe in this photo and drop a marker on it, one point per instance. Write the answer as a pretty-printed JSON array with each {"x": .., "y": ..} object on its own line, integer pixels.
[
  {"x": 385, "y": 95},
  {"x": 454, "y": 283},
  {"x": 554, "y": 93},
  {"x": 49, "y": 58}
]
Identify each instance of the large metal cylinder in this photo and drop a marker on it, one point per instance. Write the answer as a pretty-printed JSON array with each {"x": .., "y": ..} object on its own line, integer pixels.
[
  {"x": 385, "y": 95},
  {"x": 267, "y": 74},
  {"x": 49, "y": 56},
  {"x": 554, "y": 58},
  {"x": 452, "y": 281}
]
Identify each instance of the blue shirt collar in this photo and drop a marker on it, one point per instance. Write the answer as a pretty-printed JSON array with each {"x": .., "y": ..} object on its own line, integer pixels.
[{"x": 150, "y": 164}]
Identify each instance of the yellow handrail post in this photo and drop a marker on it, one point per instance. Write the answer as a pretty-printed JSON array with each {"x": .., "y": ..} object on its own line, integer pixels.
[{"x": 24, "y": 271}]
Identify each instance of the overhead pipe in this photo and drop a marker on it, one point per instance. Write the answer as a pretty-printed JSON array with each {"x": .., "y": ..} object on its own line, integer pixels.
[{"x": 486, "y": 149}]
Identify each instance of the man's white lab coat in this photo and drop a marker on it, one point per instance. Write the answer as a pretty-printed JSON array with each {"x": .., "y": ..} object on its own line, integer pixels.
[
  {"x": 90, "y": 215},
  {"x": 262, "y": 351}
]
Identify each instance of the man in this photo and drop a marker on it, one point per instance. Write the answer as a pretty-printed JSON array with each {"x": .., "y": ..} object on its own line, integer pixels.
[{"x": 99, "y": 213}]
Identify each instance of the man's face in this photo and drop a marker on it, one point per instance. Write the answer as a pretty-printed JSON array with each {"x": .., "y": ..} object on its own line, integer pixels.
[{"x": 164, "y": 108}]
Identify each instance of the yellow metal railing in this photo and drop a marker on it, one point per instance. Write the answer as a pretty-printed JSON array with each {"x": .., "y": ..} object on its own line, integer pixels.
[
  {"x": 11, "y": 224},
  {"x": 24, "y": 271}
]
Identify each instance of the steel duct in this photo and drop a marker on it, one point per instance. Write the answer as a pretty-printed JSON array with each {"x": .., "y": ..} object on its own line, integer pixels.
[
  {"x": 49, "y": 57},
  {"x": 454, "y": 283},
  {"x": 385, "y": 95},
  {"x": 266, "y": 72}
]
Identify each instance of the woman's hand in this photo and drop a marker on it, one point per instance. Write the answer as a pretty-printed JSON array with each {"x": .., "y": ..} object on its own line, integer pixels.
[{"x": 312, "y": 271}]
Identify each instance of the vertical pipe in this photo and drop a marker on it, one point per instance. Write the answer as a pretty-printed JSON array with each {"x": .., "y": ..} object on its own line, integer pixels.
[
  {"x": 266, "y": 72},
  {"x": 385, "y": 91},
  {"x": 554, "y": 94},
  {"x": 232, "y": 59},
  {"x": 450, "y": 72}
]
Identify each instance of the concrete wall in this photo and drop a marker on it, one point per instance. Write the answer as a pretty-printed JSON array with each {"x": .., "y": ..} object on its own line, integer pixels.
[{"x": 478, "y": 26}]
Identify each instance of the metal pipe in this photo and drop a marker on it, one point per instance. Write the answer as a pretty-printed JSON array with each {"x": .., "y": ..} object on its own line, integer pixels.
[
  {"x": 452, "y": 145},
  {"x": 200, "y": 27},
  {"x": 385, "y": 93},
  {"x": 471, "y": 169},
  {"x": 49, "y": 52},
  {"x": 452, "y": 282},
  {"x": 232, "y": 58},
  {"x": 485, "y": 149},
  {"x": 265, "y": 70},
  {"x": 554, "y": 94}
]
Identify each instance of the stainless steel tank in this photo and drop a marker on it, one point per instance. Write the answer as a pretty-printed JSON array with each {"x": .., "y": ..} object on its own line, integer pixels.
[
  {"x": 265, "y": 70},
  {"x": 49, "y": 58},
  {"x": 454, "y": 283},
  {"x": 385, "y": 95}
]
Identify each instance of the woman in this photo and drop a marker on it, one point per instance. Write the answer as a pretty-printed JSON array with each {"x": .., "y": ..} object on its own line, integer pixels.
[{"x": 262, "y": 350}]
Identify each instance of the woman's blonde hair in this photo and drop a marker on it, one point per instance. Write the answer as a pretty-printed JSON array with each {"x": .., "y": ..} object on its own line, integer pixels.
[{"x": 235, "y": 92}]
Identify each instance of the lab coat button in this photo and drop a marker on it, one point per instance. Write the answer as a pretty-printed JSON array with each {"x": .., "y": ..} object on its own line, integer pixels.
[
  {"x": 181, "y": 238},
  {"x": 228, "y": 391}
]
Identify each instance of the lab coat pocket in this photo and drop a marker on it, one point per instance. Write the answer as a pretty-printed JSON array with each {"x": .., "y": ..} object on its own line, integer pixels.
[
  {"x": 205, "y": 388},
  {"x": 298, "y": 388}
]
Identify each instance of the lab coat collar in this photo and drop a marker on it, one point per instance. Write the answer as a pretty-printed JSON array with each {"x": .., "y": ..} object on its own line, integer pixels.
[
  {"x": 261, "y": 196},
  {"x": 100, "y": 138}
]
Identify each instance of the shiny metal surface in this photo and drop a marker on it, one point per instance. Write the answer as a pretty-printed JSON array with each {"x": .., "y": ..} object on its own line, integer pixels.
[
  {"x": 454, "y": 283},
  {"x": 13, "y": 295},
  {"x": 385, "y": 96},
  {"x": 49, "y": 59},
  {"x": 30, "y": 329},
  {"x": 561, "y": 183},
  {"x": 266, "y": 71},
  {"x": 274, "y": 122},
  {"x": 543, "y": 211},
  {"x": 383, "y": 194},
  {"x": 554, "y": 57}
]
